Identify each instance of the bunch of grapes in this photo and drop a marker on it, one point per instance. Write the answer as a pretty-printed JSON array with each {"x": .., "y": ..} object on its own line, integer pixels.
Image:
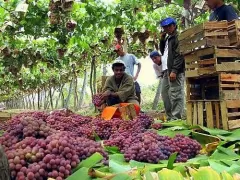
[
  {"x": 7, "y": 140},
  {"x": 86, "y": 147},
  {"x": 156, "y": 126},
  {"x": 150, "y": 147},
  {"x": 97, "y": 100},
  {"x": 3, "y": 125},
  {"x": 70, "y": 25},
  {"x": 67, "y": 121},
  {"x": 61, "y": 155},
  {"x": 23, "y": 153},
  {"x": 145, "y": 148},
  {"x": 35, "y": 127},
  {"x": 189, "y": 148},
  {"x": 145, "y": 120}
]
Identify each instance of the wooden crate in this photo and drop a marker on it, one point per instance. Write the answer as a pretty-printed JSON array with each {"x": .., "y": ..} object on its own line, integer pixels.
[
  {"x": 204, "y": 35},
  {"x": 212, "y": 60},
  {"x": 234, "y": 32},
  {"x": 214, "y": 114},
  {"x": 222, "y": 86}
]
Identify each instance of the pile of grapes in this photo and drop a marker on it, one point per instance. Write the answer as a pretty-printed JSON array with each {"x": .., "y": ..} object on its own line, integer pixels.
[
  {"x": 41, "y": 145},
  {"x": 151, "y": 147}
]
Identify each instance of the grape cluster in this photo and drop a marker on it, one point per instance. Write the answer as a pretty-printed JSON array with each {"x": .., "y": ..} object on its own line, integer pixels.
[
  {"x": 151, "y": 147},
  {"x": 86, "y": 147},
  {"x": 3, "y": 125},
  {"x": 145, "y": 120},
  {"x": 189, "y": 148},
  {"x": 70, "y": 25},
  {"x": 97, "y": 100},
  {"x": 67, "y": 121}
]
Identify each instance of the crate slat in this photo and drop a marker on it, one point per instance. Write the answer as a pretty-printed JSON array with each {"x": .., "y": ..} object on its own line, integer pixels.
[
  {"x": 234, "y": 124},
  {"x": 221, "y": 114},
  {"x": 209, "y": 111},
  {"x": 217, "y": 112},
  {"x": 207, "y": 34},
  {"x": 189, "y": 113},
  {"x": 200, "y": 113}
]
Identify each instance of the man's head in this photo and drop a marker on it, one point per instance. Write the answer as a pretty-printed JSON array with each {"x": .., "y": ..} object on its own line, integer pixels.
[
  {"x": 169, "y": 25},
  {"x": 119, "y": 50},
  {"x": 156, "y": 57},
  {"x": 213, "y": 4},
  {"x": 118, "y": 68}
]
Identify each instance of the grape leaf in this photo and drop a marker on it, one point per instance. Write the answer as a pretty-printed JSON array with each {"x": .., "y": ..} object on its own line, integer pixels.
[
  {"x": 171, "y": 160},
  {"x": 112, "y": 149},
  {"x": 81, "y": 173},
  {"x": 122, "y": 177},
  {"x": 233, "y": 169},
  {"x": 148, "y": 175},
  {"x": 169, "y": 132},
  {"x": 117, "y": 163},
  {"x": 224, "y": 154},
  {"x": 217, "y": 166},
  {"x": 215, "y": 132},
  {"x": 90, "y": 161},
  {"x": 176, "y": 128}
]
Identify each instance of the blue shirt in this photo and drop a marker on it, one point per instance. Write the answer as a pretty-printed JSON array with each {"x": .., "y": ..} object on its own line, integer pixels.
[
  {"x": 130, "y": 60},
  {"x": 224, "y": 12}
]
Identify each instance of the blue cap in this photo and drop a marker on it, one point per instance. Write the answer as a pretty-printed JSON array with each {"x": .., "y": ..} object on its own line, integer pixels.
[
  {"x": 154, "y": 53},
  {"x": 167, "y": 21}
]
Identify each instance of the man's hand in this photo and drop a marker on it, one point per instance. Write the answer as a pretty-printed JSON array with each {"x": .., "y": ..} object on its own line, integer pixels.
[
  {"x": 105, "y": 95},
  {"x": 163, "y": 35},
  {"x": 135, "y": 78},
  {"x": 172, "y": 76}
]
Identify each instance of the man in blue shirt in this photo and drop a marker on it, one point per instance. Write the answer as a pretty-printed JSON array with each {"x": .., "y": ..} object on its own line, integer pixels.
[
  {"x": 221, "y": 11},
  {"x": 130, "y": 60}
]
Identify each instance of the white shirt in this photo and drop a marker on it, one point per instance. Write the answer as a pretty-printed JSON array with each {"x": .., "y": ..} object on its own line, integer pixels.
[
  {"x": 130, "y": 60},
  {"x": 158, "y": 70},
  {"x": 165, "y": 57}
]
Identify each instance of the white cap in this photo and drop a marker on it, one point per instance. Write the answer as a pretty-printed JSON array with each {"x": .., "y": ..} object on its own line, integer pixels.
[{"x": 118, "y": 61}]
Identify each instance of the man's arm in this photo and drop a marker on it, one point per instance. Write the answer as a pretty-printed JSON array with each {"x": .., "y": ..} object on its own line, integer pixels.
[
  {"x": 135, "y": 61},
  {"x": 231, "y": 13},
  {"x": 158, "y": 70},
  {"x": 125, "y": 89},
  {"x": 178, "y": 58},
  {"x": 162, "y": 42},
  {"x": 139, "y": 66}
]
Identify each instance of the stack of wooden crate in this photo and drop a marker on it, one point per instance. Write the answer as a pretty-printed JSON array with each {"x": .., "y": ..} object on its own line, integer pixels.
[{"x": 212, "y": 61}]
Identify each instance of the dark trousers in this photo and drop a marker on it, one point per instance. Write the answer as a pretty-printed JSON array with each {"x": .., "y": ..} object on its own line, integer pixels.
[{"x": 138, "y": 91}]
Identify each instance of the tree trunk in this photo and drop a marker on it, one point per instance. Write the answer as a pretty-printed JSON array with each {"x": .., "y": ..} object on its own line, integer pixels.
[
  {"x": 33, "y": 101},
  {"x": 63, "y": 98},
  {"x": 75, "y": 94},
  {"x": 30, "y": 103},
  {"x": 51, "y": 94},
  {"x": 46, "y": 99},
  {"x": 51, "y": 97},
  {"x": 104, "y": 69},
  {"x": 66, "y": 103},
  {"x": 157, "y": 96},
  {"x": 83, "y": 90},
  {"x": 39, "y": 99},
  {"x": 59, "y": 95}
]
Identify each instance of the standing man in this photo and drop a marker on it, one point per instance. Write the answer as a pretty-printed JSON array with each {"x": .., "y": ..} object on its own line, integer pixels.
[
  {"x": 221, "y": 11},
  {"x": 130, "y": 60},
  {"x": 159, "y": 69},
  {"x": 173, "y": 77}
]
